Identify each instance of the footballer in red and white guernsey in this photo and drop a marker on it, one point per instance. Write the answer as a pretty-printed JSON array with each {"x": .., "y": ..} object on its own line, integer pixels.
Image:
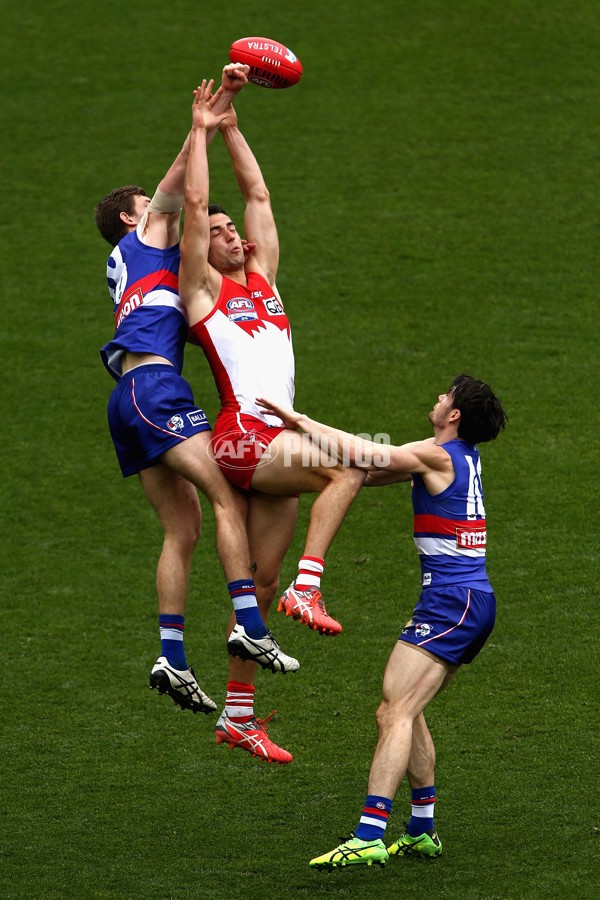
[
  {"x": 235, "y": 312},
  {"x": 453, "y": 617}
]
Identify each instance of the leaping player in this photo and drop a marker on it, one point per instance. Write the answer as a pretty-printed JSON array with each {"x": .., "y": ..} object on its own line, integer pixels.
[
  {"x": 158, "y": 430},
  {"x": 236, "y": 314}
]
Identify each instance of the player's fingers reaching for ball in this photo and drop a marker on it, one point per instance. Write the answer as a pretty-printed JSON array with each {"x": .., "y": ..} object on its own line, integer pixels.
[
  {"x": 199, "y": 92},
  {"x": 203, "y": 93},
  {"x": 205, "y": 88}
]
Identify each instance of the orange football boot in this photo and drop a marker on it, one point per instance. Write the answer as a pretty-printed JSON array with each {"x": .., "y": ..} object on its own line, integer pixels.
[{"x": 308, "y": 607}]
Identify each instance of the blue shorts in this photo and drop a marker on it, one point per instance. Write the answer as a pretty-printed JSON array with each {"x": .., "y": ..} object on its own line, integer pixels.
[
  {"x": 151, "y": 409},
  {"x": 452, "y": 622}
]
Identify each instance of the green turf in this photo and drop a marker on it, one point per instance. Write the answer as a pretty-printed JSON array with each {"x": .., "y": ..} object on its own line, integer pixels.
[{"x": 435, "y": 178}]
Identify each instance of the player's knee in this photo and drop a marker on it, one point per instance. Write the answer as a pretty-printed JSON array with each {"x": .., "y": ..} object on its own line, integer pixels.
[
  {"x": 346, "y": 474},
  {"x": 190, "y": 537},
  {"x": 193, "y": 532},
  {"x": 381, "y": 716},
  {"x": 391, "y": 715},
  {"x": 185, "y": 532},
  {"x": 228, "y": 504},
  {"x": 356, "y": 476}
]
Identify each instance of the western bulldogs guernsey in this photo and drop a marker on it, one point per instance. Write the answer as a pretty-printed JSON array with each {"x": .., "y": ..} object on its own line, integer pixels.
[
  {"x": 450, "y": 528},
  {"x": 248, "y": 344},
  {"x": 149, "y": 317}
]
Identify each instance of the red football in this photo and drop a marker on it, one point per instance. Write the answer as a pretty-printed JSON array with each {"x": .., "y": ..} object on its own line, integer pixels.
[{"x": 271, "y": 64}]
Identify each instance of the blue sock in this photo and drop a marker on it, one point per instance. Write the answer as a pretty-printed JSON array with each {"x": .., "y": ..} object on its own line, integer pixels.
[
  {"x": 243, "y": 597},
  {"x": 374, "y": 818},
  {"x": 171, "y": 639},
  {"x": 423, "y": 802}
]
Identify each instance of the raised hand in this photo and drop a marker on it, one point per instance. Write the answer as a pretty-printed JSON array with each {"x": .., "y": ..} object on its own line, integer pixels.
[
  {"x": 202, "y": 114},
  {"x": 235, "y": 76}
]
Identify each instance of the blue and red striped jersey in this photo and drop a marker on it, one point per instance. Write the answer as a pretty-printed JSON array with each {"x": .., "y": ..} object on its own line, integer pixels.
[{"x": 450, "y": 528}]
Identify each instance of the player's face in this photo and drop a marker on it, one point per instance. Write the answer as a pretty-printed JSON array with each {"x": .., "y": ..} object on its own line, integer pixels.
[
  {"x": 442, "y": 409},
  {"x": 225, "y": 253},
  {"x": 140, "y": 205}
]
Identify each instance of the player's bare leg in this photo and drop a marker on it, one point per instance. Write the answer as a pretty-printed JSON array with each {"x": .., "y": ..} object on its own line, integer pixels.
[
  {"x": 176, "y": 504},
  {"x": 193, "y": 459},
  {"x": 270, "y": 526},
  {"x": 421, "y": 762},
  {"x": 175, "y": 501},
  {"x": 250, "y": 638},
  {"x": 295, "y": 464},
  {"x": 410, "y": 682},
  {"x": 412, "y": 679}
]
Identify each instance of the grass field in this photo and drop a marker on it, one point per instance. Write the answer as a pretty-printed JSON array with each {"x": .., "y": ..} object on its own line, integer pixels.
[{"x": 435, "y": 181}]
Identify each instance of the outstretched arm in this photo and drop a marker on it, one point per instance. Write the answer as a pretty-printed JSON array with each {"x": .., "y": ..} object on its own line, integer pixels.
[
  {"x": 198, "y": 281},
  {"x": 423, "y": 457},
  {"x": 259, "y": 222},
  {"x": 160, "y": 225}
]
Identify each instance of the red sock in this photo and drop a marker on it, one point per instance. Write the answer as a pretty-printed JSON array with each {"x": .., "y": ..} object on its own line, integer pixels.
[
  {"x": 310, "y": 570},
  {"x": 239, "y": 703}
]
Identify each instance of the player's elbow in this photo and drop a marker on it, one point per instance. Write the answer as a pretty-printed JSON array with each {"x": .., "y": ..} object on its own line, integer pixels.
[
  {"x": 195, "y": 201},
  {"x": 259, "y": 195}
]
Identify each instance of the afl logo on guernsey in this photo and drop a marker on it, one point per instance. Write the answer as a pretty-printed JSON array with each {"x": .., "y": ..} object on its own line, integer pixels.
[{"x": 240, "y": 309}]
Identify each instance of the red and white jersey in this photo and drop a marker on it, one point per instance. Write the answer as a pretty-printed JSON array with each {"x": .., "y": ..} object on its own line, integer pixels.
[{"x": 248, "y": 343}]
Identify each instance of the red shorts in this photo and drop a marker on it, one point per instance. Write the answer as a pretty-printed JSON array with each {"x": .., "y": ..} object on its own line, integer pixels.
[{"x": 239, "y": 442}]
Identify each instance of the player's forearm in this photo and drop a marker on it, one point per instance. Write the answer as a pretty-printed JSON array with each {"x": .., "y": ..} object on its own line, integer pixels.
[
  {"x": 173, "y": 181},
  {"x": 196, "y": 182},
  {"x": 247, "y": 171},
  {"x": 383, "y": 477},
  {"x": 349, "y": 448},
  {"x": 224, "y": 98}
]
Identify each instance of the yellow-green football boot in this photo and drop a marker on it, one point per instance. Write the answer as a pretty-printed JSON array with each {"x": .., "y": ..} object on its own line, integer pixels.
[
  {"x": 353, "y": 852},
  {"x": 426, "y": 845}
]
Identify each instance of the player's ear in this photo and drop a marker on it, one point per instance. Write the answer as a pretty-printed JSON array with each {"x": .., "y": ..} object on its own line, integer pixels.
[{"x": 126, "y": 218}]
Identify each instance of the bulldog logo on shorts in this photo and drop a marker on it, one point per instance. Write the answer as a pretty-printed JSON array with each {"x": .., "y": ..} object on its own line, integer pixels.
[
  {"x": 422, "y": 630},
  {"x": 175, "y": 424}
]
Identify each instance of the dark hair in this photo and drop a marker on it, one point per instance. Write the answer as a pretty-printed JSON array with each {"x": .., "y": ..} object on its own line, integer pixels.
[
  {"x": 481, "y": 415},
  {"x": 214, "y": 210},
  {"x": 108, "y": 212}
]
